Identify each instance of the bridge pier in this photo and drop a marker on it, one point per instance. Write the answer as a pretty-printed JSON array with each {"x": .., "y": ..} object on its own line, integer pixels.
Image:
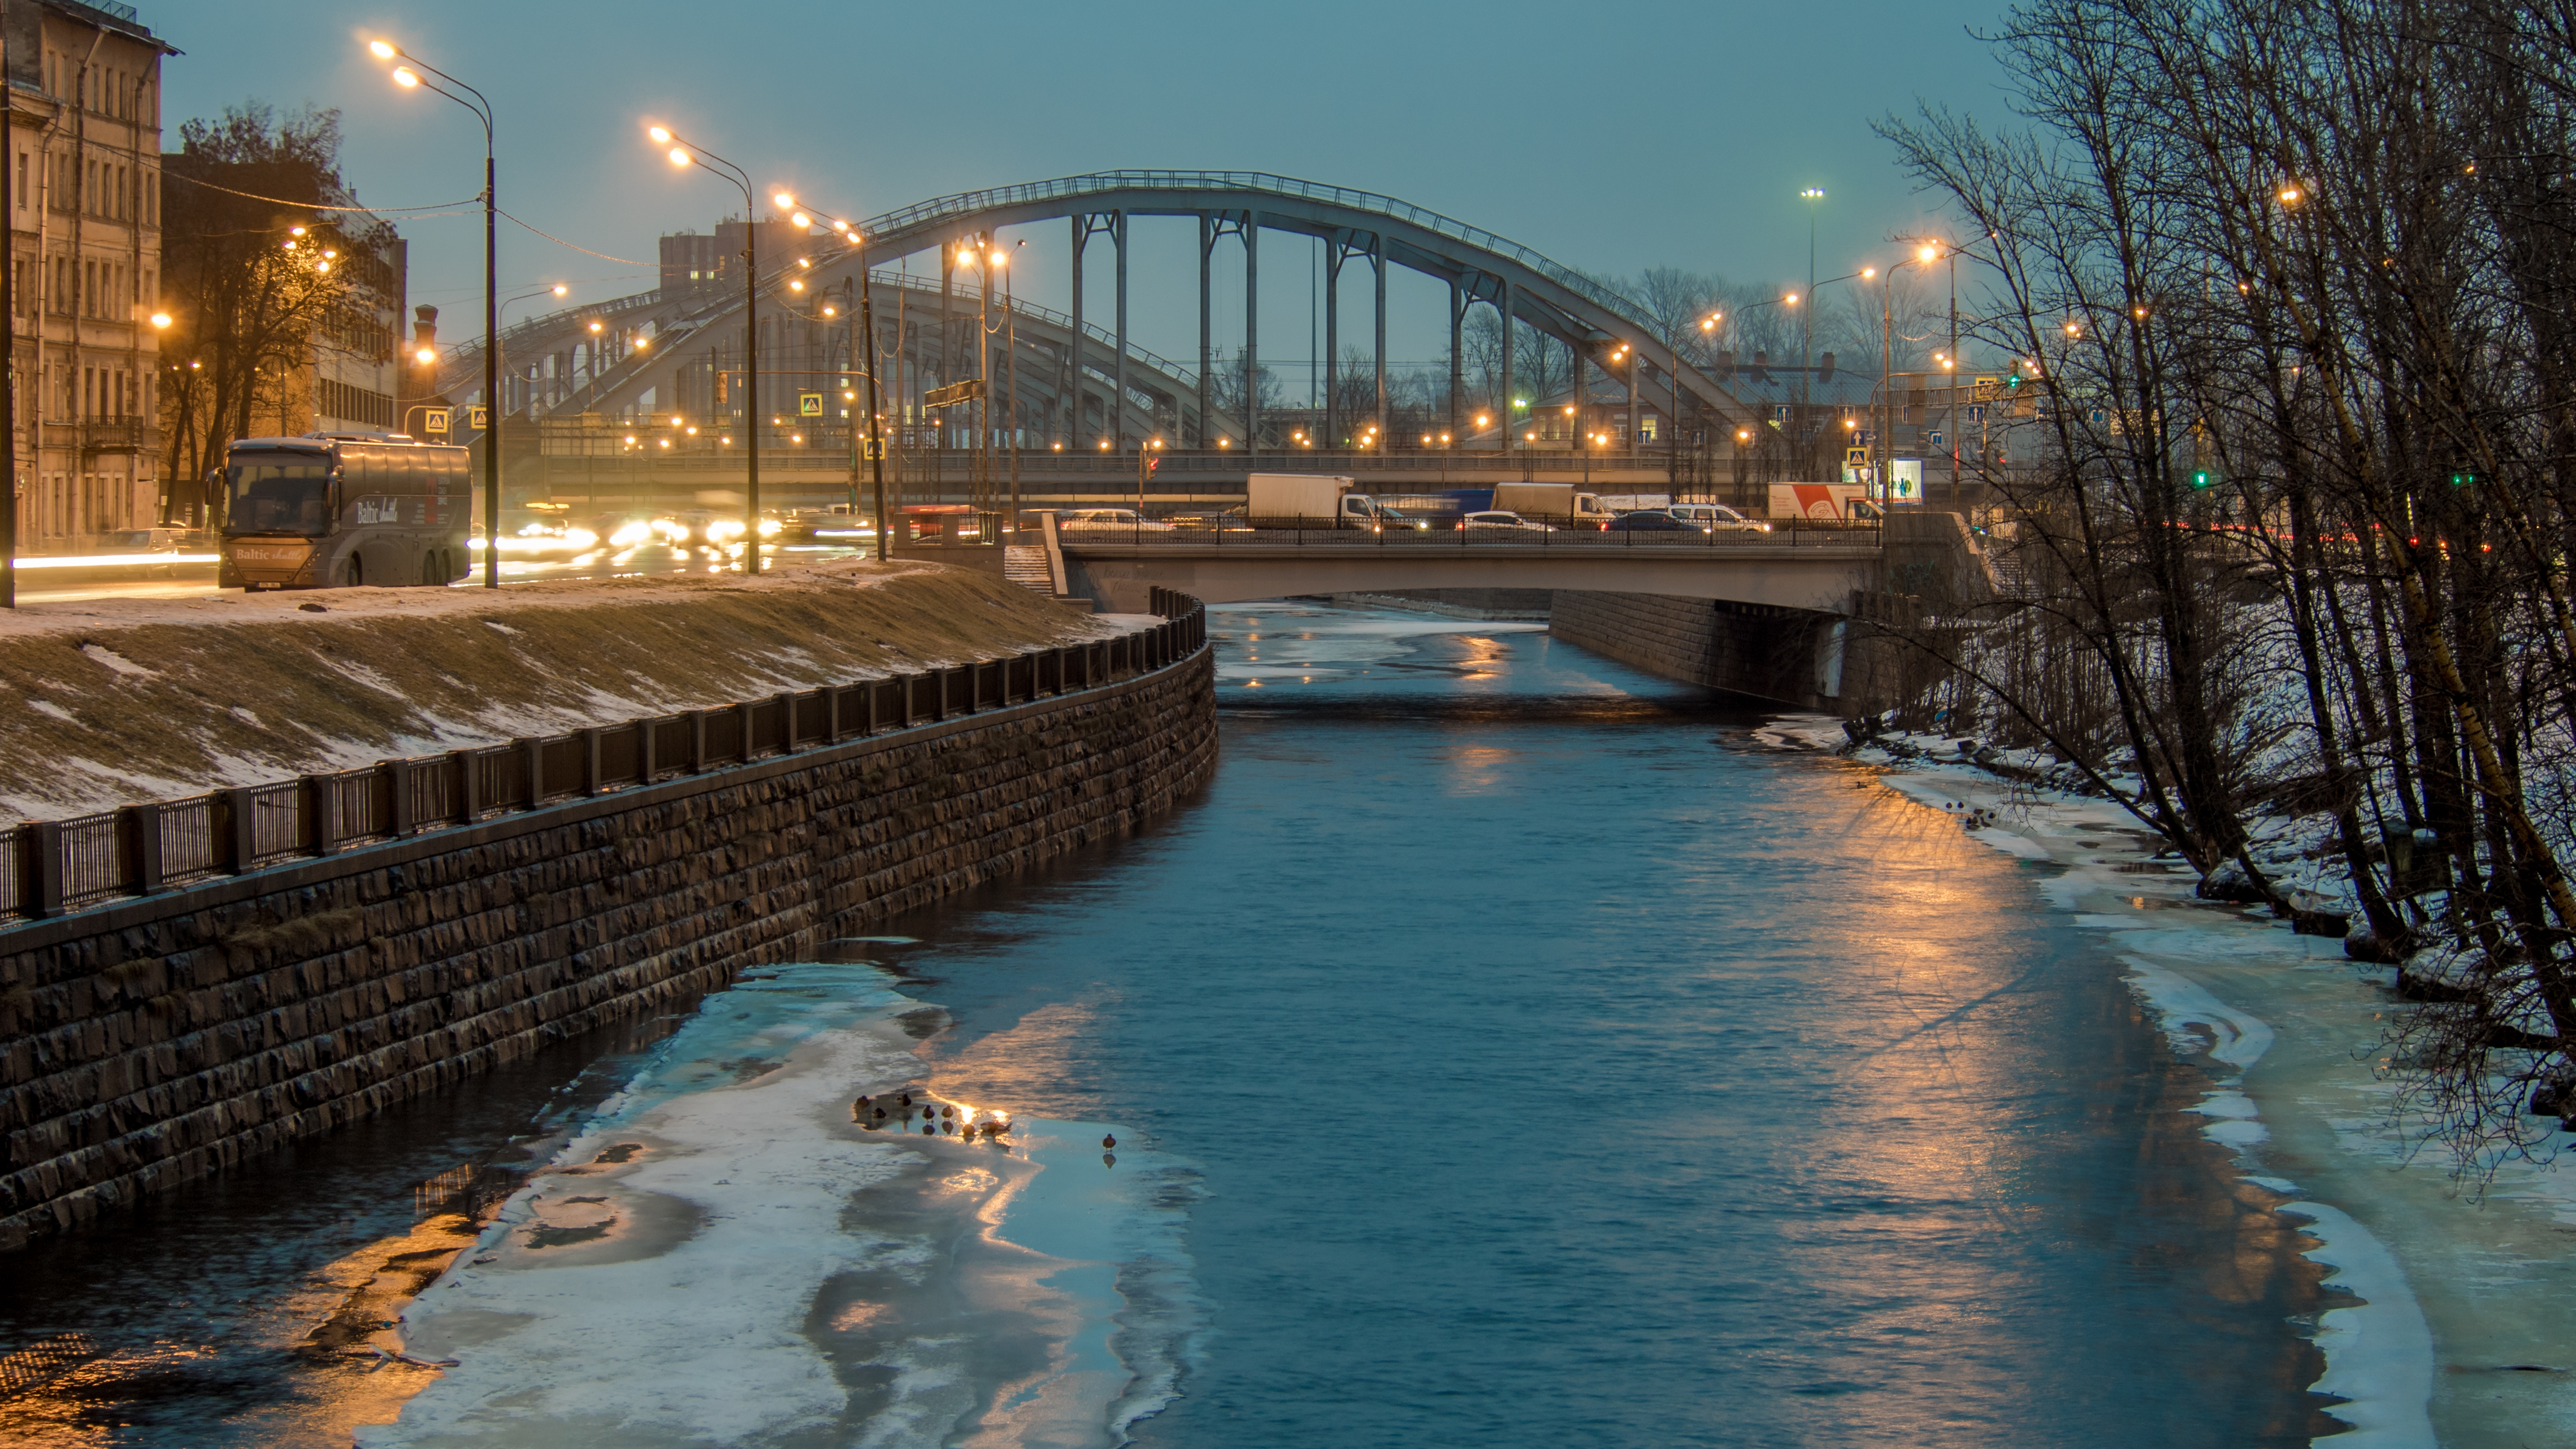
[
  {"x": 1251, "y": 332},
  {"x": 1207, "y": 243},
  {"x": 1118, "y": 403},
  {"x": 1377, "y": 348},
  {"x": 1507, "y": 434}
]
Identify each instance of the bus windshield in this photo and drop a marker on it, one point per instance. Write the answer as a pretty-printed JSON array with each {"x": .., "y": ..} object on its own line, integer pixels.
[{"x": 278, "y": 493}]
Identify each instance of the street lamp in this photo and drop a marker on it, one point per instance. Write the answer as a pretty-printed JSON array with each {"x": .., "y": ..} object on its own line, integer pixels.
[
  {"x": 409, "y": 75},
  {"x": 685, "y": 153}
]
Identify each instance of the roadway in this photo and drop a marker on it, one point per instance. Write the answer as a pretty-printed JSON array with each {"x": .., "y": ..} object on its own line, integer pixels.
[{"x": 61, "y": 581}]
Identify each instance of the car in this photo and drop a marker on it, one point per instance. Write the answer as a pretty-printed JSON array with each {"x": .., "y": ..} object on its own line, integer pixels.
[
  {"x": 1647, "y": 520},
  {"x": 1222, "y": 520},
  {"x": 1717, "y": 518},
  {"x": 1106, "y": 520},
  {"x": 1391, "y": 521},
  {"x": 1497, "y": 520},
  {"x": 147, "y": 540}
]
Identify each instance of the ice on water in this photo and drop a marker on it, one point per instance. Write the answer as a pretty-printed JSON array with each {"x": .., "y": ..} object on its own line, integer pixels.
[{"x": 723, "y": 1257}]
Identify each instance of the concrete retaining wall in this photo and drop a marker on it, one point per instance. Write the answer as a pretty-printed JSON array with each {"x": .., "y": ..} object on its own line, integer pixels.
[
  {"x": 1797, "y": 657},
  {"x": 164, "y": 1038}
]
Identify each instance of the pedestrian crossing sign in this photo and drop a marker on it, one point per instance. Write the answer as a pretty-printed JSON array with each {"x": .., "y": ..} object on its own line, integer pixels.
[
  {"x": 479, "y": 419},
  {"x": 434, "y": 419},
  {"x": 809, "y": 404}
]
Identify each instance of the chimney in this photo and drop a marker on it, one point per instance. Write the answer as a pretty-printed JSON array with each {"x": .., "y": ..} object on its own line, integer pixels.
[
  {"x": 1825, "y": 373},
  {"x": 1726, "y": 364}
]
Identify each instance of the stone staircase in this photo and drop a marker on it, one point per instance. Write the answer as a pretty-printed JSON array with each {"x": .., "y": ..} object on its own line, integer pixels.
[{"x": 1026, "y": 565}]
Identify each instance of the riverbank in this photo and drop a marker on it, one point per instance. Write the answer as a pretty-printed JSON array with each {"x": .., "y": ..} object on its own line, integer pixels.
[
  {"x": 2460, "y": 1335},
  {"x": 115, "y": 702}
]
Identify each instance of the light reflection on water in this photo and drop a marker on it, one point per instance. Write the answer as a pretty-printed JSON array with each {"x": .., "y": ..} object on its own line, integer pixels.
[
  {"x": 1549, "y": 1065},
  {"x": 1564, "y": 1070}
]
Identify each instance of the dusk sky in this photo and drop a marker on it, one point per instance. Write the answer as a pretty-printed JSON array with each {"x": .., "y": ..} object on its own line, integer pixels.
[{"x": 1611, "y": 140}]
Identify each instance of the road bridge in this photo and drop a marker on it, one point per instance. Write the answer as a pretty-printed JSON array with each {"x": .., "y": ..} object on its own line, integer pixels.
[{"x": 1817, "y": 572}]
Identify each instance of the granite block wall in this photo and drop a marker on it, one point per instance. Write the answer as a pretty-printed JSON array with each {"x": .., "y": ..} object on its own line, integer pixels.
[{"x": 163, "y": 1038}]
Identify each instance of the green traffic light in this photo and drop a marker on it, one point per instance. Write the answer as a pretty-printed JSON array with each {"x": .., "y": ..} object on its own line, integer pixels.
[
  {"x": 2200, "y": 478},
  {"x": 2463, "y": 480}
]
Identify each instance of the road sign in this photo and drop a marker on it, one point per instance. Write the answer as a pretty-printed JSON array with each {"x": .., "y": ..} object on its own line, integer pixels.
[
  {"x": 1780, "y": 412},
  {"x": 434, "y": 419},
  {"x": 1936, "y": 440},
  {"x": 1987, "y": 387},
  {"x": 1856, "y": 456},
  {"x": 479, "y": 419},
  {"x": 872, "y": 448},
  {"x": 953, "y": 394},
  {"x": 809, "y": 404},
  {"x": 1976, "y": 412}
]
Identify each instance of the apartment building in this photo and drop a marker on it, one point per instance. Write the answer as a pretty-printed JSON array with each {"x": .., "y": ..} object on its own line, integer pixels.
[{"x": 84, "y": 91}]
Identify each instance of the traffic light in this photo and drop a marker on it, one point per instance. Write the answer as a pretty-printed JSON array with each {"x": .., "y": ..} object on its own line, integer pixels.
[
  {"x": 2202, "y": 478},
  {"x": 2013, "y": 383},
  {"x": 2463, "y": 479}
]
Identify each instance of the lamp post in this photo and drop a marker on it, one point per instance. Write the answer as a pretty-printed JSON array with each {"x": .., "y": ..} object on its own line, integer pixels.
[
  {"x": 684, "y": 153},
  {"x": 1144, "y": 451},
  {"x": 556, "y": 290},
  {"x": 409, "y": 74},
  {"x": 1807, "y": 333}
]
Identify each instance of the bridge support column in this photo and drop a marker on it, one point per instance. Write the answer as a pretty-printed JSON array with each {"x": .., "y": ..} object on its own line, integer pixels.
[
  {"x": 1207, "y": 242},
  {"x": 947, "y": 368},
  {"x": 1332, "y": 342},
  {"x": 1457, "y": 319},
  {"x": 1251, "y": 331},
  {"x": 1636, "y": 365},
  {"x": 1377, "y": 264},
  {"x": 1118, "y": 404},
  {"x": 1070, "y": 394},
  {"x": 1575, "y": 368}
]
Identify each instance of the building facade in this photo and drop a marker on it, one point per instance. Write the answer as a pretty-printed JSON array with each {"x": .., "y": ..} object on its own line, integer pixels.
[{"x": 84, "y": 90}]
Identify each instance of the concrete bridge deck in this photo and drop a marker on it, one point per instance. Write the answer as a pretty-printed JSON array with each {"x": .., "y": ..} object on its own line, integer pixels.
[{"x": 1816, "y": 570}]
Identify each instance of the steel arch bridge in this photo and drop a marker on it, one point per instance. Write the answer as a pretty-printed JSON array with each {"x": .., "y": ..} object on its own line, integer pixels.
[{"x": 1069, "y": 369}]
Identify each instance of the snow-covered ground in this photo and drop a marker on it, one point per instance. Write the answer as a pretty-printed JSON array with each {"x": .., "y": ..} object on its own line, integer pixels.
[{"x": 2459, "y": 1332}]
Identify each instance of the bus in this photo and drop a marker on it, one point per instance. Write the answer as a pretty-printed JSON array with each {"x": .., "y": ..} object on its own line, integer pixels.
[{"x": 340, "y": 510}]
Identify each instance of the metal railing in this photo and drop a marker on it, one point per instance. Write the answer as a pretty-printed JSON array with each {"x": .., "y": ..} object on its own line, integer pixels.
[{"x": 49, "y": 867}]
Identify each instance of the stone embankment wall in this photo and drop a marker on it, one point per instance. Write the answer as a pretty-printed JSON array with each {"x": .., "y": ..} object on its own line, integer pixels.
[{"x": 159, "y": 1039}]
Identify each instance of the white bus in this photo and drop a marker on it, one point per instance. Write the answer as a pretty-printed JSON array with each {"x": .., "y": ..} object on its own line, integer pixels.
[{"x": 338, "y": 510}]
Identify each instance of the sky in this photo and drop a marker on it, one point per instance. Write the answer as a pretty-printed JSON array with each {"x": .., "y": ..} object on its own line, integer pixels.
[{"x": 1609, "y": 139}]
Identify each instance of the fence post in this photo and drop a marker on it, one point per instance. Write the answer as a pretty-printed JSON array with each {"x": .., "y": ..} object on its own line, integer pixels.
[
  {"x": 590, "y": 760},
  {"x": 938, "y": 694},
  {"x": 41, "y": 843},
  {"x": 469, "y": 778},
  {"x": 645, "y": 730},
  {"x": 319, "y": 795},
  {"x": 743, "y": 716},
  {"x": 833, "y": 695},
  {"x": 241, "y": 831},
  {"x": 868, "y": 693},
  {"x": 143, "y": 847},
  {"x": 697, "y": 742},
  {"x": 533, "y": 752},
  {"x": 398, "y": 821},
  {"x": 787, "y": 722}
]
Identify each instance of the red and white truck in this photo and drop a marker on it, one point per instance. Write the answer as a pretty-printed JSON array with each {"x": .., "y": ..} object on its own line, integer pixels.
[{"x": 1825, "y": 503}]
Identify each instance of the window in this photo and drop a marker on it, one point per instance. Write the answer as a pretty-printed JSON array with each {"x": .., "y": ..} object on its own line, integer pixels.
[{"x": 21, "y": 198}]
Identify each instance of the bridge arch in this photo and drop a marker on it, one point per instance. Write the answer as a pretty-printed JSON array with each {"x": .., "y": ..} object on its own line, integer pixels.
[{"x": 1478, "y": 266}]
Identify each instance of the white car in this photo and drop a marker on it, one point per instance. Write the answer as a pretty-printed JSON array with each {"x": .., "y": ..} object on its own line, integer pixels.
[
  {"x": 1121, "y": 520},
  {"x": 1717, "y": 518},
  {"x": 1498, "y": 520}
]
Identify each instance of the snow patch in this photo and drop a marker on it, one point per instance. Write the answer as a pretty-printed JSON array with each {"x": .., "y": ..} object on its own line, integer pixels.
[
  {"x": 50, "y": 710},
  {"x": 2379, "y": 1355},
  {"x": 118, "y": 662}
]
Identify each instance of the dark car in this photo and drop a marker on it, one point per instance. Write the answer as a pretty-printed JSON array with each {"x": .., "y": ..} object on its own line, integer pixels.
[{"x": 1648, "y": 521}]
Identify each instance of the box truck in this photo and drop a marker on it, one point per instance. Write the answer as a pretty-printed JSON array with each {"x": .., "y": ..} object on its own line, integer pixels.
[
  {"x": 1825, "y": 503},
  {"x": 1558, "y": 503},
  {"x": 1311, "y": 499}
]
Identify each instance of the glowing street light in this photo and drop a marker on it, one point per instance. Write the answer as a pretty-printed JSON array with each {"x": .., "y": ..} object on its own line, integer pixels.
[
  {"x": 412, "y": 74},
  {"x": 686, "y": 153}
]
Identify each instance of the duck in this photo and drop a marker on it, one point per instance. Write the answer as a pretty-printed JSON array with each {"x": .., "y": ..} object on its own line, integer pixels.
[{"x": 1108, "y": 1144}]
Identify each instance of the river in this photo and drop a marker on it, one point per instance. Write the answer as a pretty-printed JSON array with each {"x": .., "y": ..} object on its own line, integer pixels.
[{"x": 1506, "y": 1048}]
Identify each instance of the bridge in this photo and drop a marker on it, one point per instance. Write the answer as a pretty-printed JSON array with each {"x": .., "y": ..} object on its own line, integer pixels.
[
  {"x": 1064, "y": 387},
  {"x": 1815, "y": 571}
]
